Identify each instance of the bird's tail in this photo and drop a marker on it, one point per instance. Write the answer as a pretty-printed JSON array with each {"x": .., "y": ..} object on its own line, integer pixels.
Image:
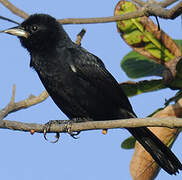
[{"x": 160, "y": 152}]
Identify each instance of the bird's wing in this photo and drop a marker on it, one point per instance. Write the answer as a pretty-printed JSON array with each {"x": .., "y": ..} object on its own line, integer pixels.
[{"x": 90, "y": 68}]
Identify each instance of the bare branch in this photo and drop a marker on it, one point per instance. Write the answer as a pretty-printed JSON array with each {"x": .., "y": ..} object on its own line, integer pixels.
[
  {"x": 166, "y": 3},
  {"x": 138, "y": 13},
  {"x": 170, "y": 122},
  {"x": 139, "y": 2},
  {"x": 13, "y": 95},
  {"x": 151, "y": 8},
  {"x": 14, "y": 9},
  {"x": 175, "y": 11},
  {"x": 155, "y": 9},
  {"x": 80, "y": 36},
  {"x": 30, "y": 101}
]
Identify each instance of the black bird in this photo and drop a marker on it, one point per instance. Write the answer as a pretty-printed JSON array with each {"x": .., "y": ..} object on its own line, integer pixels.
[{"x": 79, "y": 83}]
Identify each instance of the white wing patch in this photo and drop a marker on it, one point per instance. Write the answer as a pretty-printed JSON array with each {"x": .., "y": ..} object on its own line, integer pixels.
[{"x": 73, "y": 68}]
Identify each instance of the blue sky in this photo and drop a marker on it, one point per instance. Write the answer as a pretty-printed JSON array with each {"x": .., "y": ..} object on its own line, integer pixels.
[{"x": 93, "y": 156}]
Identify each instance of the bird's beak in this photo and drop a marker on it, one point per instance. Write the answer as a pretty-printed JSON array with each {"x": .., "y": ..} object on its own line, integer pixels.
[{"x": 17, "y": 31}]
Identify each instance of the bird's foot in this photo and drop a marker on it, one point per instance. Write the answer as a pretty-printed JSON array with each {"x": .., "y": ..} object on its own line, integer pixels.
[
  {"x": 69, "y": 125},
  {"x": 75, "y": 120},
  {"x": 66, "y": 123},
  {"x": 47, "y": 127}
]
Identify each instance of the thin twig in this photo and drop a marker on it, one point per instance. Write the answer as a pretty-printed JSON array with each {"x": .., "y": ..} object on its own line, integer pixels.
[
  {"x": 139, "y": 2},
  {"x": 175, "y": 11},
  {"x": 30, "y": 101},
  {"x": 14, "y": 9},
  {"x": 10, "y": 20},
  {"x": 80, "y": 36},
  {"x": 166, "y": 3},
  {"x": 171, "y": 121},
  {"x": 135, "y": 14},
  {"x": 154, "y": 9},
  {"x": 13, "y": 95}
]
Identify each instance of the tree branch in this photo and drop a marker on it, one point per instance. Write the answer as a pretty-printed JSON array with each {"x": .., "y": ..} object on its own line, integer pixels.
[
  {"x": 135, "y": 14},
  {"x": 14, "y": 9},
  {"x": 13, "y": 106},
  {"x": 166, "y": 3},
  {"x": 150, "y": 8},
  {"x": 170, "y": 122},
  {"x": 30, "y": 101},
  {"x": 139, "y": 2},
  {"x": 80, "y": 36}
]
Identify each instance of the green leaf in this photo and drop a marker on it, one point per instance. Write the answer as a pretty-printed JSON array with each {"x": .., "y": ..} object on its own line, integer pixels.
[
  {"x": 136, "y": 88},
  {"x": 137, "y": 66},
  {"x": 144, "y": 36},
  {"x": 128, "y": 143}
]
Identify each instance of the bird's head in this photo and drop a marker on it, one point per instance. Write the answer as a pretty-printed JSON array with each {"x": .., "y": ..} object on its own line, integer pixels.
[{"x": 40, "y": 32}]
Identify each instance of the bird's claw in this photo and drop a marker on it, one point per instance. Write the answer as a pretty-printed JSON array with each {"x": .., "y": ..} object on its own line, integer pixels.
[
  {"x": 67, "y": 123},
  {"x": 75, "y": 120},
  {"x": 47, "y": 128},
  {"x": 70, "y": 132},
  {"x": 74, "y": 134}
]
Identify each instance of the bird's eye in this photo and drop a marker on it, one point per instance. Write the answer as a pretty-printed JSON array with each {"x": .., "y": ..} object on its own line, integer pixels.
[{"x": 34, "y": 28}]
